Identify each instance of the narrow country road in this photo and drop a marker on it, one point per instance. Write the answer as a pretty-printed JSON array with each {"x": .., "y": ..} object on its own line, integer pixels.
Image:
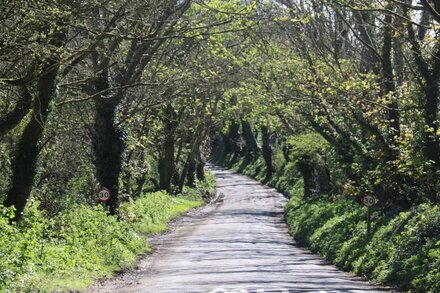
[{"x": 238, "y": 244}]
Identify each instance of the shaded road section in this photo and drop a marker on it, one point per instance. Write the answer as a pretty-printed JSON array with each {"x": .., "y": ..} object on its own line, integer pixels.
[{"x": 240, "y": 243}]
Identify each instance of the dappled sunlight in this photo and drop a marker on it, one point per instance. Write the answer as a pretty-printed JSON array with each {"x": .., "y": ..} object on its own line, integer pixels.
[{"x": 238, "y": 245}]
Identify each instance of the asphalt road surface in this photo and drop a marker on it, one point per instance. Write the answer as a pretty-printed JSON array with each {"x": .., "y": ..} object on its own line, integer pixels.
[{"x": 240, "y": 243}]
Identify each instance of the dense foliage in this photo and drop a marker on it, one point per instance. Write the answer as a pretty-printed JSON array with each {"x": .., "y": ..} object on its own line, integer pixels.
[
  {"x": 341, "y": 97},
  {"x": 82, "y": 244}
]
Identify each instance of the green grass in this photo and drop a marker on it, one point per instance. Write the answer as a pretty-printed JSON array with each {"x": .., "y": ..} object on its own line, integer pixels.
[
  {"x": 83, "y": 244},
  {"x": 65, "y": 284},
  {"x": 152, "y": 212}
]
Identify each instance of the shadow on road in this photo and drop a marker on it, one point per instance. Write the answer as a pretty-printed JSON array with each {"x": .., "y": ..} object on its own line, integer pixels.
[{"x": 238, "y": 245}]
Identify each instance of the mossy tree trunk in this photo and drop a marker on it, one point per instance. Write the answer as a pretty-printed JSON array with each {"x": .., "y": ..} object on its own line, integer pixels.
[
  {"x": 26, "y": 155},
  {"x": 109, "y": 144}
]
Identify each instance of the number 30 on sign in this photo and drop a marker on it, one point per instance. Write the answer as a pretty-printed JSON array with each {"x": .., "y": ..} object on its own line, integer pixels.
[
  {"x": 104, "y": 194},
  {"x": 368, "y": 200}
]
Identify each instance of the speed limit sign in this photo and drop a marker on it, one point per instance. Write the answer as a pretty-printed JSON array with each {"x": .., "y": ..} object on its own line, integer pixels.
[
  {"x": 104, "y": 194},
  {"x": 369, "y": 200}
]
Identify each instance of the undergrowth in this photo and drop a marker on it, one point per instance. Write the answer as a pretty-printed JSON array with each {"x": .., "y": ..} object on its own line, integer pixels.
[{"x": 83, "y": 243}]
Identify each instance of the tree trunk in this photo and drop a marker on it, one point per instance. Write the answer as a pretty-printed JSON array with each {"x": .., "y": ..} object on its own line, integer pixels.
[
  {"x": 218, "y": 147},
  {"x": 323, "y": 179},
  {"x": 167, "y": 160},
  {"x": 306, "y": 169},
  {"x": 200, "y": 168},
  {"x": 200, "y": 172},
  {"x": 26, "y": 155},
  {"x": 431, "y": 148},
  {"x": 226, "y": 143},
  {"x": 369, "y": 59},
  {"x": 108, "y": 143},
  {"x": 191, "y": 175},
  {"x": 267, "y": 152},
  {"x": 188, "y": 171},
  {"x": 234, "y": 139},
  {"x": 252, "y": 149},
  {"x": 166, "y": 166}
]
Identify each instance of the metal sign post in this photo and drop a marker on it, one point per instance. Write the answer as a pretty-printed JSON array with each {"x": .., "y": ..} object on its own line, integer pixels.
[{"x": 368, "y": 201}]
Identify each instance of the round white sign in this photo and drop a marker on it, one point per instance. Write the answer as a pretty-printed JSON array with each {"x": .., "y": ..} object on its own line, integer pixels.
[
  {"x": 104, "y": 194},
  {"x": 368, "y": 200}
]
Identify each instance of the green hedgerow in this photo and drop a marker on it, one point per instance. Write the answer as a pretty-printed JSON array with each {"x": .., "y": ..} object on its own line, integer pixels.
[
  {"x": 83, "y": 243},
  {"x": 403, "y": 249}
]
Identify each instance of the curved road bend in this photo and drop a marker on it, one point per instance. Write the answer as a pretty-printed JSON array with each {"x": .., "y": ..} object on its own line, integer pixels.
[{"x": 238, "y": 244}]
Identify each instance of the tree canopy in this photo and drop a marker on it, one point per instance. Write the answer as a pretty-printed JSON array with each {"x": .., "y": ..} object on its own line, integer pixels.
[{"x": 134, "y": 95}]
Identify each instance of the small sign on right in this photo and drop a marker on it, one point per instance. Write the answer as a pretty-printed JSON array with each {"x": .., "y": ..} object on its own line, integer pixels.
[{"x": 368, "y": 200}]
